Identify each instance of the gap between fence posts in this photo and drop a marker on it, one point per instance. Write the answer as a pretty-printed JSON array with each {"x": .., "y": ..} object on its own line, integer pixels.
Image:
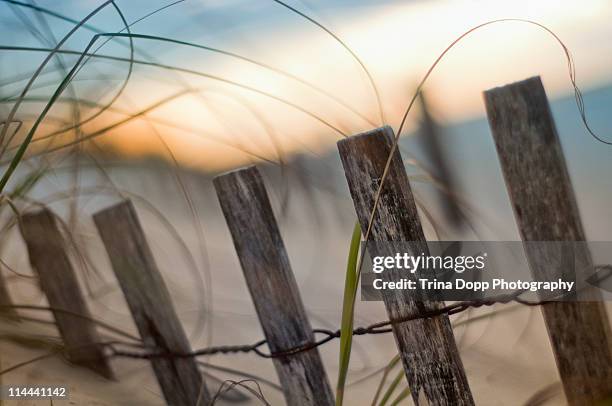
[
  {"x": 427, "y": 347},
  {"x": 58, "y": 281},
  {"x": 273, "y": 288},
  {"x": 545, "y": 209},
  {"x": 151, "y": 305}
]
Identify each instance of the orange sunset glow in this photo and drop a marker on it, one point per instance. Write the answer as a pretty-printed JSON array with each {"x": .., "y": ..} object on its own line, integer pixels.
[{"x": 208, "y": 123}]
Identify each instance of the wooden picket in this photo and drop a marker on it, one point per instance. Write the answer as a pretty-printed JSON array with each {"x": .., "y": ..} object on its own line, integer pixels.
[
  {"x": 545, "y": 209},
  {"x": 58, "y": 280},
  {"x": 151, "y": 305},
  {"x": 273, "y": 288},
  {"x": 426, "y": 346}
]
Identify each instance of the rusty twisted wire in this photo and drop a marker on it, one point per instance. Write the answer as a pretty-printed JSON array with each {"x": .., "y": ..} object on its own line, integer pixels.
[{"x": 381, "y": 327}]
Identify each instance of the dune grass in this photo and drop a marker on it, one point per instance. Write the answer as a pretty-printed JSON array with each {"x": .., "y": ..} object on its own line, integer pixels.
[{"x": 351, "y": 282}]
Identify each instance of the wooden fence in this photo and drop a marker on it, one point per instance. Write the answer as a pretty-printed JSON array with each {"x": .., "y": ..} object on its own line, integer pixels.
[{"x": 545, "y": 209}]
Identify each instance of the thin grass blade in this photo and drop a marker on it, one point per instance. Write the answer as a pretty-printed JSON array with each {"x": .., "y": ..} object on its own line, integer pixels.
[{"x": 348, "y": 308}]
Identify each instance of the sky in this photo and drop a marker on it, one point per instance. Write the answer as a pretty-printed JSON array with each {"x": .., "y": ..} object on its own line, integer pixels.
[{"x": 214, "y": 111}]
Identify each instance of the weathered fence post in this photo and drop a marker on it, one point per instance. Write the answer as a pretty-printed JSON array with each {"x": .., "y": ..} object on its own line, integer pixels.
[
  {"x": 58, "y": 281},
  {"x": 151, "y": 306},
  {"x": 427, "y": 346},
  {"x": 545, "y": 209},
  {"x": 274, "y": 291}
]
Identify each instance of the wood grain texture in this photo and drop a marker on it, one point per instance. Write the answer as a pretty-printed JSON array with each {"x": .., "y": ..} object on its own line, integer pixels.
[
  {"x": 151, "y": 305},
  {"x": 545, "y": 209},
  {"x": 427, "y": 347},
  {"x": 273, "y": 288},
  {"x": 59, "y": 283}
]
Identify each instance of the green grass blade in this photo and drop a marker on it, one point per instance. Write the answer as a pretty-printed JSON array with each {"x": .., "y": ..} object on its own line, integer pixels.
[
  {"x": 348, "y": 308},
  {"x": 394, "y": 361},
  {"x": 27, "y": 184},
  {"x": 403, "y": 395},
  {"x": 396, "y": 381}
]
